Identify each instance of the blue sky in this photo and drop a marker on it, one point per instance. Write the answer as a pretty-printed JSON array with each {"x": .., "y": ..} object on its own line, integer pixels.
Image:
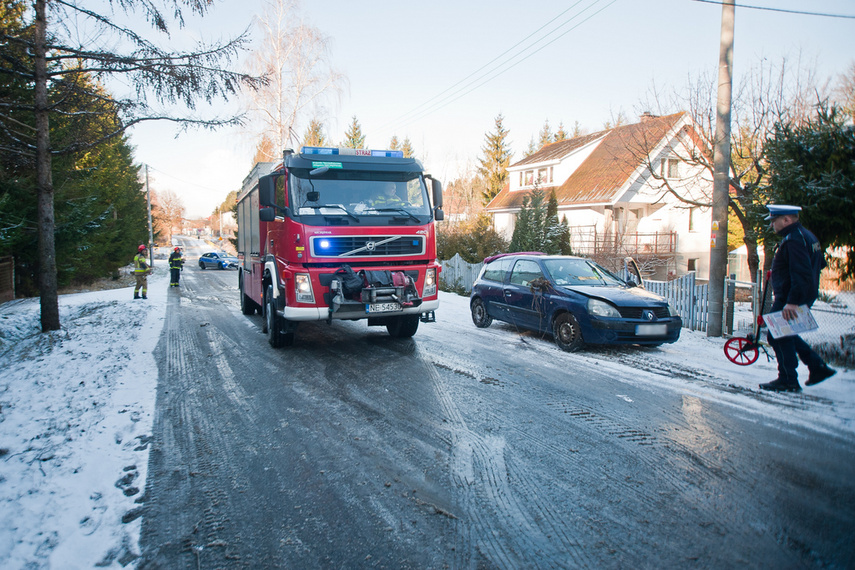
[{"x": 400, "y": 56}]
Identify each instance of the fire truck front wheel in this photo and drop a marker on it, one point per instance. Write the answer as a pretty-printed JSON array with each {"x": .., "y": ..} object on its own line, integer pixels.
[
  {"x": 275, "y": 336},
  {"x": 404, "y": 326}
]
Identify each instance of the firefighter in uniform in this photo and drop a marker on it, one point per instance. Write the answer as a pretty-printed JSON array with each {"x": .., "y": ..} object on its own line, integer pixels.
[
  {"x": 387, "y": 198},
  {"x": 795, "y": 281},
  {"x": 141, "y": 271},
  {"x": 176, "y": 263}
]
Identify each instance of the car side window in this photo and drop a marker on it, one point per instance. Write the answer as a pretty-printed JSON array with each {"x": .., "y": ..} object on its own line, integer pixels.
[
  {"x": 496, "y": 270},
  {"x": 525, "y": 271}
]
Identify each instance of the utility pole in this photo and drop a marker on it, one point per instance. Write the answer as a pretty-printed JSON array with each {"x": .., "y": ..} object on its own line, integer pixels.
[
  {"x": 150, "y": 232},
  {"x": 721, "y": 173}
]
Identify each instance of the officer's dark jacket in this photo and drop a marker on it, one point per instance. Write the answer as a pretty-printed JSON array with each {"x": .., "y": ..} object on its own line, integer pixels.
[{"x": 796, "y": 267}]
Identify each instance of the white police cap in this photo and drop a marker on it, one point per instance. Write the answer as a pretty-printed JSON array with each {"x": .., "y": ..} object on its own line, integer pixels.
[{"x": 776, "y": 210}]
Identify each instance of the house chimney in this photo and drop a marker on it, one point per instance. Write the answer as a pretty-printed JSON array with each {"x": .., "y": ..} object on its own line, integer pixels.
[{"x": 647, "y": 115}]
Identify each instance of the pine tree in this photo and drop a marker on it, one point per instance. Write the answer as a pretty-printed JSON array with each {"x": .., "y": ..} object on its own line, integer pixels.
[
  {"x": 394, "y": 144},
  {"x": 561, "y": 134},
  {"x": 494, "y": 164},
  {"x": 537, "y": 226},
  {"x": 545, "y": 136},
  {"x": 353, "y": 137},
  {"x": 532, "y": 148},
  {"x": 407, "y": 147},
  {"x": 557, "y": 232},
  {"x": 812, "y": 165},
  {"x": 314, "y": 135}
]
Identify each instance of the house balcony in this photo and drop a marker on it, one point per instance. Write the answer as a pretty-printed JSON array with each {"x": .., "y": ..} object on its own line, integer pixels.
[{"x": 587, "y": 240}]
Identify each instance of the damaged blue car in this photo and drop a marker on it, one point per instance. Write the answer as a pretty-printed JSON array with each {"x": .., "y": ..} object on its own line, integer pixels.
[{"x": 571, "y": 298}]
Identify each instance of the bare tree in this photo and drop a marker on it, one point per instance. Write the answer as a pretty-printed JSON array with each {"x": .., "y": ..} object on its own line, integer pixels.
[
  {"x": 770, "y": 93},
  {"x": 167, "y": 214},
  {"x": 294, "y": 57},
  {"x": 56, "y": 52},
  {"x": 844, "y": 92}
]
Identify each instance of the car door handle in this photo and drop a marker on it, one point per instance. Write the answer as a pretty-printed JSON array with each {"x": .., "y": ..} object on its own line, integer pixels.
[{"x": 508, "y": 293}]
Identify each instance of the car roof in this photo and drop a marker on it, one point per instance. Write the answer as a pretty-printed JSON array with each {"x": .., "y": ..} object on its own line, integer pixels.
[{"x": 531, "y": 254}]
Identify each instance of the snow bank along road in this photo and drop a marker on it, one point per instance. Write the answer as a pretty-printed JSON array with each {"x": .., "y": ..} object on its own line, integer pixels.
[{"x": 464, "y": 447}]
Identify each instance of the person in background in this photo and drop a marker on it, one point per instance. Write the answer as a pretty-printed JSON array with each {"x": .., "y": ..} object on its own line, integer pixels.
[
  {"x": 176, "y": 263},
  {"x": 794, "y": 281},
  {"x": 141, "y": 271}
]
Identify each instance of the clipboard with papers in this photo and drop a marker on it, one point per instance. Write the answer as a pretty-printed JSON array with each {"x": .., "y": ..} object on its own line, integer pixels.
[{"x": 780, "y": 327}]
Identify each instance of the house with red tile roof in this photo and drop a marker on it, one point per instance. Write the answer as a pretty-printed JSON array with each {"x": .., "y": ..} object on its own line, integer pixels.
[{"x": 628, "y": 191}]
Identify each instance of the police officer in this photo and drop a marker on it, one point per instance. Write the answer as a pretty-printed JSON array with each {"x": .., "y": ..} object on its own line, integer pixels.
[
  {"x": 141, "y": 271},
  {"x": 176, "y": 262},
  {"x": 795, "y": 281}
]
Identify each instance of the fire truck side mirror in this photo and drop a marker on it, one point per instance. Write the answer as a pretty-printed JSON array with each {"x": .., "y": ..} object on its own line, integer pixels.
[
  {"x": 266, "y": 214},
  {"x": 437, "y": 193},
  {"x": 266, "y": 191}
]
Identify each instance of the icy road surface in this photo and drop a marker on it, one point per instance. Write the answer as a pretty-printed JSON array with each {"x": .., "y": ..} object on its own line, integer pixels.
[{"x": 460, "y": 447}]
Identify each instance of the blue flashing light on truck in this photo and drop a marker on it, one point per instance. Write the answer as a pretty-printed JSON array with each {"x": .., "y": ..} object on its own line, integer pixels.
[{"x": 339, "y": 234}]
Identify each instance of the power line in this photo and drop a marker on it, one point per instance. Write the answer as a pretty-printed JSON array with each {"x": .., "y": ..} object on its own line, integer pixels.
[
  {"x": 482, "y": 67},
  {"x": 766, "y": 8},
  {"x": 438, "y": 102}
]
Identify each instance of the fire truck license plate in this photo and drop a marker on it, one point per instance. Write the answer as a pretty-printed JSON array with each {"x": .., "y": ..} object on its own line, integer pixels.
[
  {"x": 382, "y": 307},
  {"x": 651, "y": 330}
]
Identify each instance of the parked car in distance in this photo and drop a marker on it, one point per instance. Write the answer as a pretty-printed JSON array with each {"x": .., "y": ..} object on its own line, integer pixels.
[
  {"x": 573, "y": 299},
  {"x": 217, "y": 260}
]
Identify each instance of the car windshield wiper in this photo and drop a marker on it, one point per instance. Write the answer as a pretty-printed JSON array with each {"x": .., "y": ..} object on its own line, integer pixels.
[{"x": 399, "y": 210}]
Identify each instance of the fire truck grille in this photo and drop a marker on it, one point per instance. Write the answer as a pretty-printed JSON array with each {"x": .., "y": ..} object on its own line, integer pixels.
[{"x": 367, "y": 246}]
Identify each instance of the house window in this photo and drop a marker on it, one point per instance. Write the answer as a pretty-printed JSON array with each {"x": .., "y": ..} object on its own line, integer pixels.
[
  {"x": 670, "y": 168},
  {"x": 695, "y": 219},
  {"x": 521, "y": 178},
  {"x": 692, "y": 265},
  {"x": 529, "y": 177},
  {"x": 543, "y": 176}
]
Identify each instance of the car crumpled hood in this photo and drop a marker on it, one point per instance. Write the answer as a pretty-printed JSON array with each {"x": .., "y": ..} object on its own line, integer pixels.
[{"x": 623, "y": 296}]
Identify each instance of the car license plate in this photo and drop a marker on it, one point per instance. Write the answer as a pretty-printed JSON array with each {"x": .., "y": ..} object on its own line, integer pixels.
[
  {"x": 382, "y": 307},
  {"x": 651, "y": 330}
]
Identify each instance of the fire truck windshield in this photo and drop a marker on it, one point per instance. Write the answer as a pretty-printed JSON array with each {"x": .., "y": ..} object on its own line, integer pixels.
[{"x": 359, "y": 197}]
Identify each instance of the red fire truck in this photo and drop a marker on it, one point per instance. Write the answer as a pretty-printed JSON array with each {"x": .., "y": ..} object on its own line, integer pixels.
[{"x": 331, "y": 234}]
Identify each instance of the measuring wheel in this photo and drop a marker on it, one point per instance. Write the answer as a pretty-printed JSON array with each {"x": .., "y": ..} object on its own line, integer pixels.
[{"x": 741, "y": 351}]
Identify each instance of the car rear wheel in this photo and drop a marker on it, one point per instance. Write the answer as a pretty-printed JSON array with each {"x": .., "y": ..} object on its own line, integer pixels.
[
  {"x": 479, "y": 314},
  {"x": 201, "y": 265},
  {"x": 403, "y": 327},
  {"x": 567, "y": 333}
]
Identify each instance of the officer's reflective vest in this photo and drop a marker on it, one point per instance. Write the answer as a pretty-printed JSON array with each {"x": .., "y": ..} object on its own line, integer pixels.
[
  {"x": 384, "y": 201},
  {"x": 140, "y": 266}
]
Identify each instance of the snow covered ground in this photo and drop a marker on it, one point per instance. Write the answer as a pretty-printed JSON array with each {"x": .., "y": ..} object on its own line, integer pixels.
[{"x": 76, "y": 412}]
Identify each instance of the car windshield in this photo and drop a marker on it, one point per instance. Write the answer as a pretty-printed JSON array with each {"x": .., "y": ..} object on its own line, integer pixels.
[
  {"x": 354, "y": 194},
  {"x": 580, "y": 272}
]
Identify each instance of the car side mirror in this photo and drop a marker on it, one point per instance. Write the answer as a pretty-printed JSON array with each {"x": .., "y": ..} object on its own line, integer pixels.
[{"x": 633, "y": 273}]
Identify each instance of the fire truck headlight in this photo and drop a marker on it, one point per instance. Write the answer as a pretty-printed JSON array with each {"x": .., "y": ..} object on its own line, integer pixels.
[
  {"x": 430, "y": 283},
  {"x": 303, "y": 288}
]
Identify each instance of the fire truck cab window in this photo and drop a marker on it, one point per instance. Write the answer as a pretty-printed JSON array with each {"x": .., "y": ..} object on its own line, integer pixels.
[
  {"x": 279, "y": 185},
  {"x": 360, "y": 196}
]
